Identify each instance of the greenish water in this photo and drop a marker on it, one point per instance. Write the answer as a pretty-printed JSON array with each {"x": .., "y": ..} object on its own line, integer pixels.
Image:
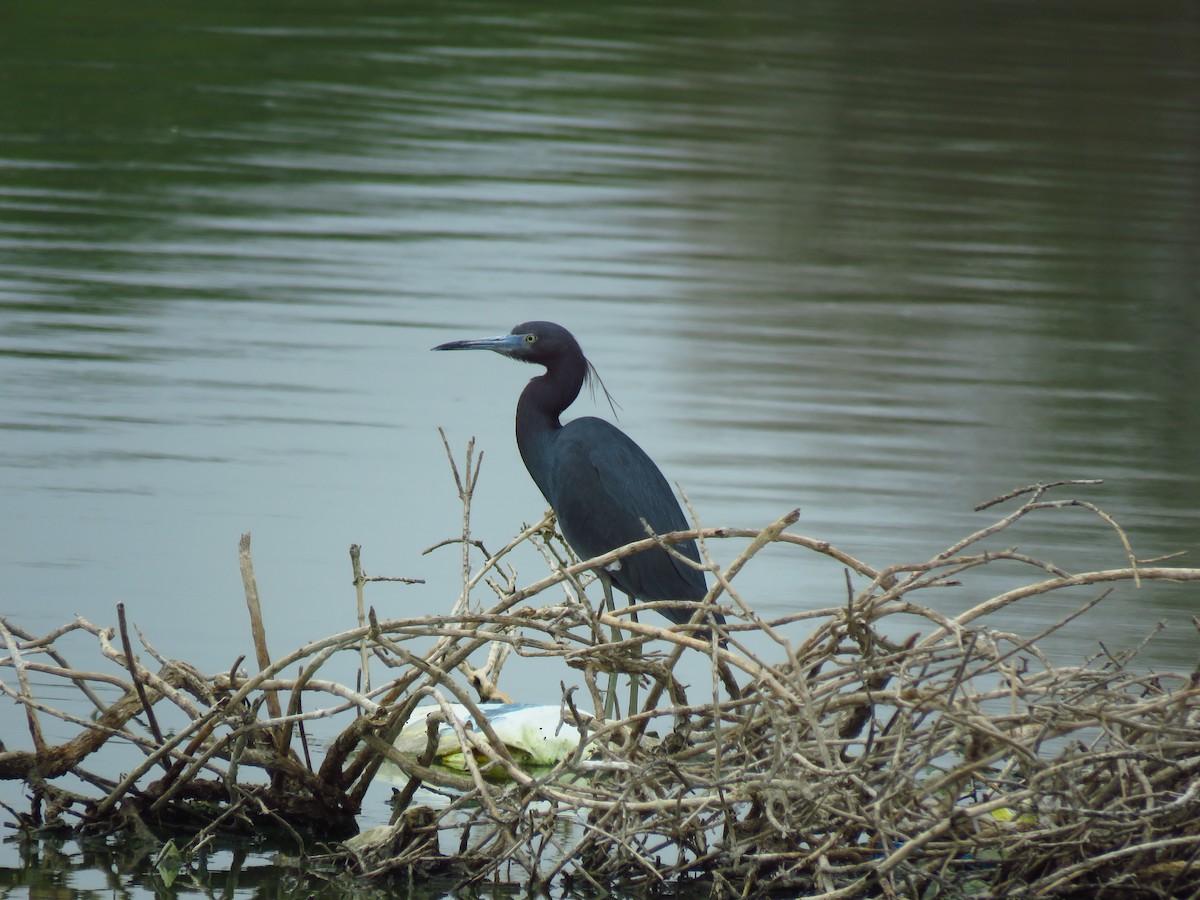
[{"x": 880, "y": 263}]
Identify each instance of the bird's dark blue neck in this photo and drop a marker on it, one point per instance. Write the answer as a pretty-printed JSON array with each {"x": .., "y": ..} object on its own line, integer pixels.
[{"x": 542, "y": 402}]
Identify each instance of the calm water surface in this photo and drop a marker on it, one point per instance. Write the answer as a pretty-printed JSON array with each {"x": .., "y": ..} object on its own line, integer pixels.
[{"x": 879, "y": 266}]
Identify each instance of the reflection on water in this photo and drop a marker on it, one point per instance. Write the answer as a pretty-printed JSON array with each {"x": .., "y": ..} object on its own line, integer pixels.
[{"x": 881, "y": 267}]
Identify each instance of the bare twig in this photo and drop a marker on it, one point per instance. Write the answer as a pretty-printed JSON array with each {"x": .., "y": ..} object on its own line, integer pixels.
[
  {"x": 888, "y": 749},
  {"x": 257, "y": 629}
]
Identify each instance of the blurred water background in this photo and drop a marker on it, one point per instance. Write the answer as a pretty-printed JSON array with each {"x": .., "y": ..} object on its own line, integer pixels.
[{"x": 880, "y": 262}]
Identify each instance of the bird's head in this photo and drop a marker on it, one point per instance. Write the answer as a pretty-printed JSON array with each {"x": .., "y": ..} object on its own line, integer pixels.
[
  {"x": 544, "y": 343},
  {"x": 534, "y": 342}
]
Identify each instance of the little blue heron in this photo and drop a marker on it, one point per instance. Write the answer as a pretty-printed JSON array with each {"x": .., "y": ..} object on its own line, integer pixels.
[{"x": 602, "y": 486}]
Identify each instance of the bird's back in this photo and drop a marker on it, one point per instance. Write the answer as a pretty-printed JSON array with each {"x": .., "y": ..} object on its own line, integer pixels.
[{"x": 602, "y": 486}]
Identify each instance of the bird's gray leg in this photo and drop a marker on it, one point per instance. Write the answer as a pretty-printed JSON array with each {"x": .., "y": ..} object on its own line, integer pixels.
[
  {"x": 635, "y": 676},
  {"x": 610, "y": 698}
]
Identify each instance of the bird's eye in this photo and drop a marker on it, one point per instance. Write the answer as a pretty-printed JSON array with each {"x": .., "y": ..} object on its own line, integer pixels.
[{"x": 531, "y": 338}]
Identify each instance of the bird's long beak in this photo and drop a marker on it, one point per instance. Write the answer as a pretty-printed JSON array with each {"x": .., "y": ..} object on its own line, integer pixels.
[{"x": 505, "y": 343}]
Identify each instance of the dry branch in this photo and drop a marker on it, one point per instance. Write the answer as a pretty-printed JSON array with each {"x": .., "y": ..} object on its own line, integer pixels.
[{"x": 846, "y": 763}]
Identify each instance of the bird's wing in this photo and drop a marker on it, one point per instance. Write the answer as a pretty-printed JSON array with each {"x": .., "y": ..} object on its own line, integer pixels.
[{"x": 604, "y": 486}]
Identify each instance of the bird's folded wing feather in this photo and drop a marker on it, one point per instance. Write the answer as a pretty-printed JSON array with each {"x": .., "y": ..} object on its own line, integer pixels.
[{"x": 605, "y": 486}]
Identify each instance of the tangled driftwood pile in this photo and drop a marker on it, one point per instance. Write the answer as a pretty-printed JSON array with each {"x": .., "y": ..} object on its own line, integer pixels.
[{"x": 949, "y": 759}]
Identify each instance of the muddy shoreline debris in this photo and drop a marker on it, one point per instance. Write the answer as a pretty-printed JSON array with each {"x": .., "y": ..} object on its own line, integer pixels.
[{"x": 873, "y": 746}]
